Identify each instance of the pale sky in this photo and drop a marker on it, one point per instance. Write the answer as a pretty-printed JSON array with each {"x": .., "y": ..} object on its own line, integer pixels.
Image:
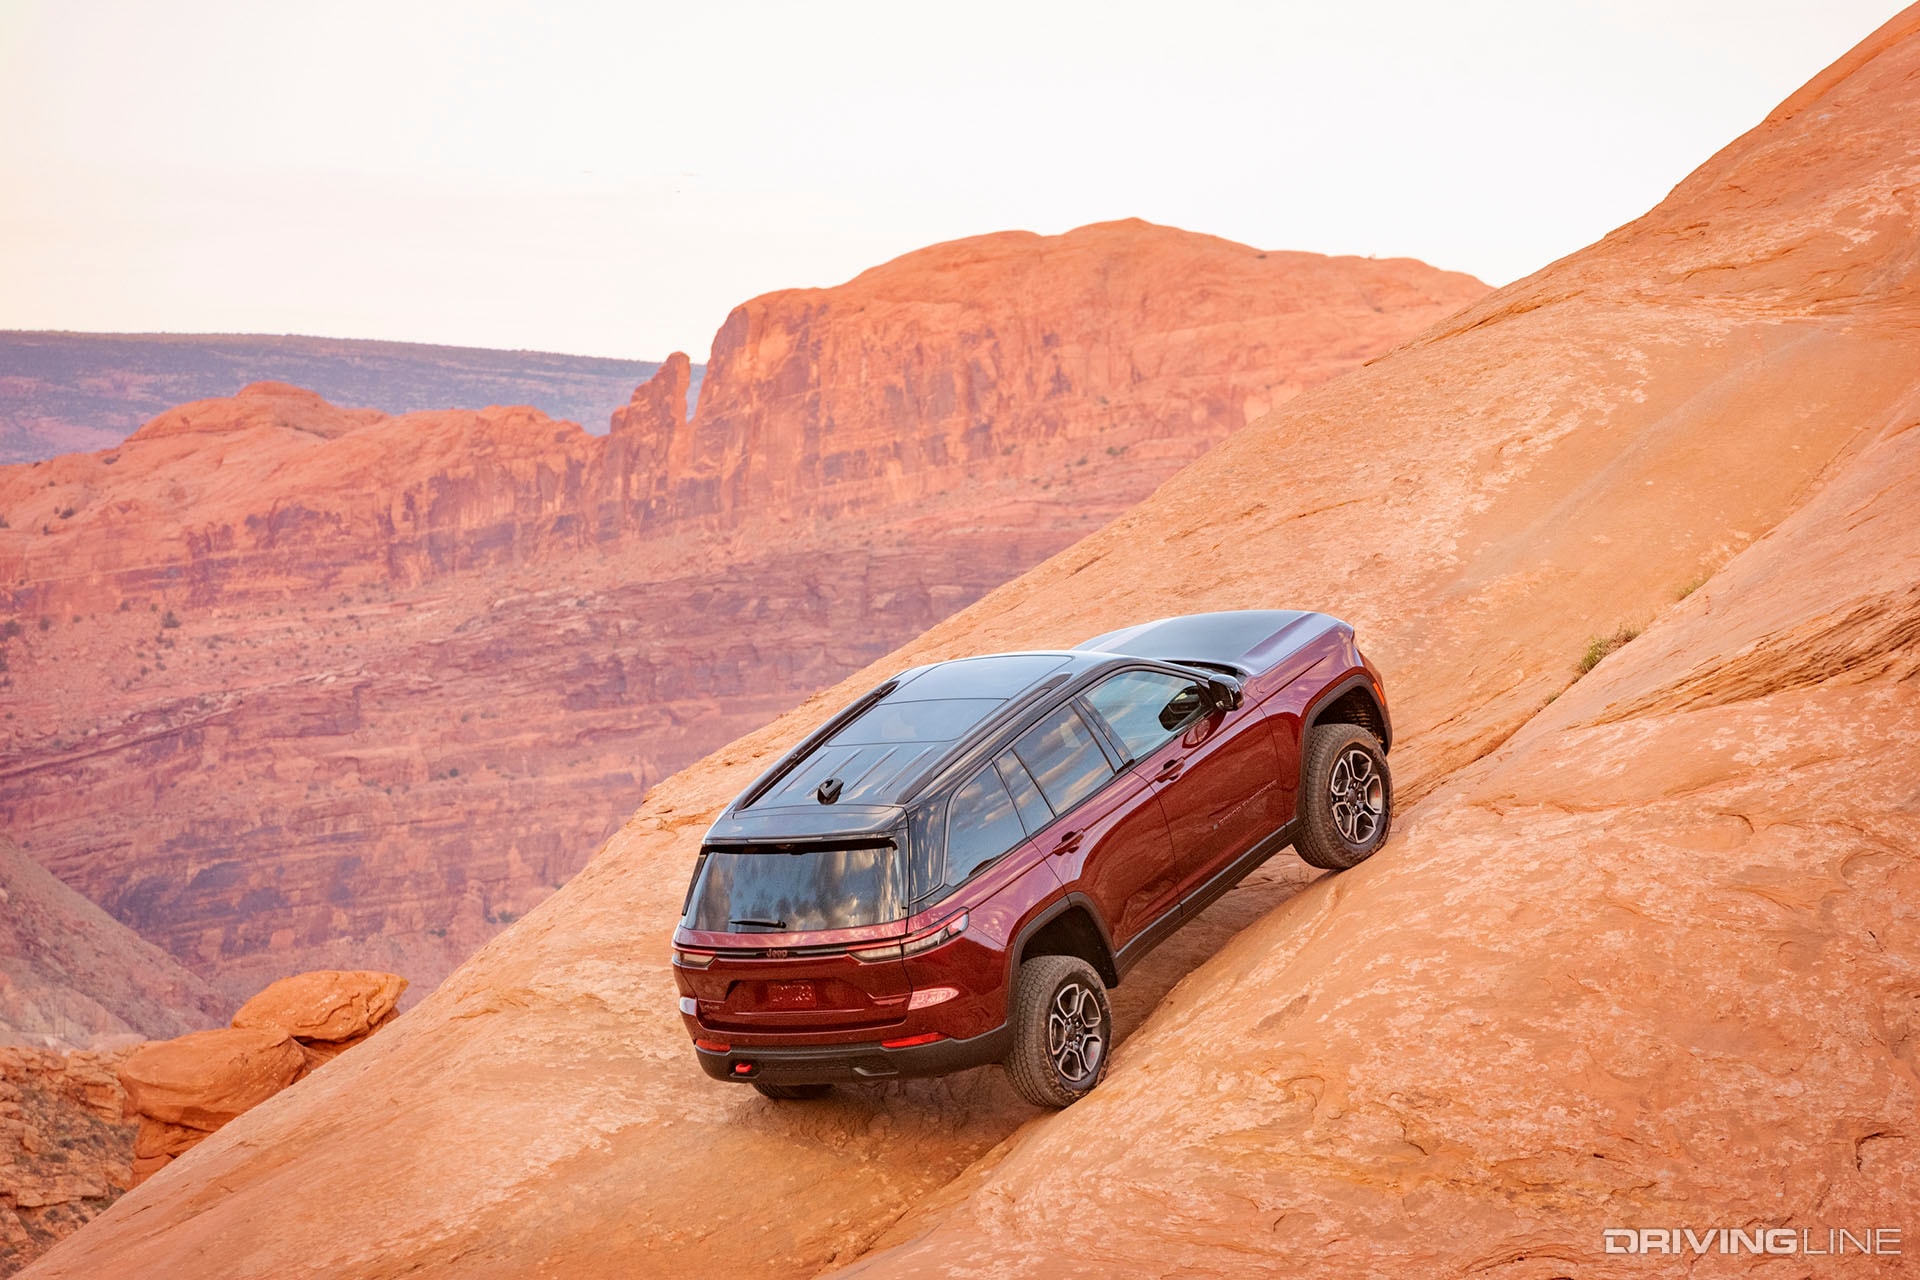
[{"x": 612, "y": 179}]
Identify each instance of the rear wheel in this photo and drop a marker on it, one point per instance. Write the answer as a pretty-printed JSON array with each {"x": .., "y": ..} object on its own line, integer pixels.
[
  {"x": 1346, "y": 807},
  {"x": 1062, "y": 1031},
  {"x": 791, "y": 1092}
]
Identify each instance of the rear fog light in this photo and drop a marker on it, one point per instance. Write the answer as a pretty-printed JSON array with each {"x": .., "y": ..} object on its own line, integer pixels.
[{"x": 907, "y": 1042}]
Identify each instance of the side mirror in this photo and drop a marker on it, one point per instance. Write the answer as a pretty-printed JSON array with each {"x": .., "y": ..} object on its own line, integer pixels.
[{"x": 1224, "y": 693}]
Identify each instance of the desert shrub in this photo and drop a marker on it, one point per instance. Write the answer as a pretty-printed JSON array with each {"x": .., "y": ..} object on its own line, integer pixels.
[
  {"x": 1600, "y": 646},
  {"x": 169, "y": 621}
]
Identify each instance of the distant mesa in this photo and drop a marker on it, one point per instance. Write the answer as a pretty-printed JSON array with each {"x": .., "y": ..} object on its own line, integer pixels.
[
  {"x": 258, "y": 405},
  {"x": 67, "y": 392}
]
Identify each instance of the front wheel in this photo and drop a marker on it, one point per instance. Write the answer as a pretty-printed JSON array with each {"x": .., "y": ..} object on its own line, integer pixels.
[
  {"x": 1062, "y": 1031},
  {"x": 1346, "y": 807}
]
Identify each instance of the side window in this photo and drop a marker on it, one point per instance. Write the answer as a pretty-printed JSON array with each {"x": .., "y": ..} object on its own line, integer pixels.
[
  {"x": 1026, "y": 797},
  {"x": 981, "y": 825},
  {"x": 1064, "y": 759},
  {"x": 1145, "y": 708}
]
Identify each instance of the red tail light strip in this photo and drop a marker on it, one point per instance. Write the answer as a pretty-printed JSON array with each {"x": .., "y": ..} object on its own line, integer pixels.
[{"x": 946, "y": 931}]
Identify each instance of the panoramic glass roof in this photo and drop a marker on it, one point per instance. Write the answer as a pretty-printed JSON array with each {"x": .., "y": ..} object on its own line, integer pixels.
[{"x": 905, "y": 732}]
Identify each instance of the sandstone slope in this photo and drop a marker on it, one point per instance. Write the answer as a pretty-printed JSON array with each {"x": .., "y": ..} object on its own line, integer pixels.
[
  {"x": 298, "y": 686},
  {"x": 71, "y": 976},
  {"x": 1643, "y": 955}
]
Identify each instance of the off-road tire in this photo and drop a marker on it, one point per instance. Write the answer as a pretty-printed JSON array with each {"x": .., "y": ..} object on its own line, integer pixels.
[
  {"x": 1344, "y": 815},
  {"x": 1041, "y": 1063},
  {"x": 790, "y": 1092}
]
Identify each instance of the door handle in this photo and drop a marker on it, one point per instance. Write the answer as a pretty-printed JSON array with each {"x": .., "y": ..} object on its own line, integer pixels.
[
  {"x": 1171, "y": 769},
  {"x": 1069, "y": 842}
]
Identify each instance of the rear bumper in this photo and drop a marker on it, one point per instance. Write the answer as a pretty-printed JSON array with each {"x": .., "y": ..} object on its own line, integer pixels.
[{"x": 847, "y": 1063}]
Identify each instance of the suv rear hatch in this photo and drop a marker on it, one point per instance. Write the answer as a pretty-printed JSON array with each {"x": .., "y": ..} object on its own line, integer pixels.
[{"x": 798, "y": 935}]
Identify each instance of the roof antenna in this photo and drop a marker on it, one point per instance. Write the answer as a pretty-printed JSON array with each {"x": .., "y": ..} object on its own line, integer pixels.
[{"x": 829, "y": 791}]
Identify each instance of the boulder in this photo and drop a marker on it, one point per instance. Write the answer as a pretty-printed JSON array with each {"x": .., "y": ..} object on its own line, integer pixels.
[
  {"x": 158, "y": 1138},
  {"x": 205, "y": 1079},
  {"x": 327, "y": 1005}
]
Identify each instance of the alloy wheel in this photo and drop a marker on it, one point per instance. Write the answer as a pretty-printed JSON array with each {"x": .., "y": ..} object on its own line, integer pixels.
[
  {"x": 1358, "y": 794},
  {"x": 1074, "y": 1034}
]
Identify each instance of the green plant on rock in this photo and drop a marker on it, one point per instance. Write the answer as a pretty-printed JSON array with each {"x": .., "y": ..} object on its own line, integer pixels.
[{"x": 1600, "y": 646}]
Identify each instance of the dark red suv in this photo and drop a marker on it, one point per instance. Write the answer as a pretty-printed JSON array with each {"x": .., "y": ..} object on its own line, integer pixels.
[{"x": 954, "y": 869}]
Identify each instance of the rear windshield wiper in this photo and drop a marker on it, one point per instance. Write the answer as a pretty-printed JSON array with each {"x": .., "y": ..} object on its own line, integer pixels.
[{"x": 765, "y": 924}]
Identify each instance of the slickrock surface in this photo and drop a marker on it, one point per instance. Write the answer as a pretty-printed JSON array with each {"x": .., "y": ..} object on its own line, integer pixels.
[
  {"x": 63, "y": 1146},
  {"x": 71, "y": 976},
  {"x": 1643, "y": 953},
  {"x": 295, "y": 686}
]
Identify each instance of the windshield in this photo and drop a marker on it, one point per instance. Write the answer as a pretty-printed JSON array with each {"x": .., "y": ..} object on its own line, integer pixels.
[{"x": 772, "y": 891}]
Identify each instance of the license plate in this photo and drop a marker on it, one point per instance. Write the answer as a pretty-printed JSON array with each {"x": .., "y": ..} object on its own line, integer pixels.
[{"x": 790, "y": 995}]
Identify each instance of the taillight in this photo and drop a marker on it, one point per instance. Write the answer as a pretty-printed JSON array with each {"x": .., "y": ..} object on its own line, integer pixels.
[
  {"x": 907, "y": 1042},
  {"x": 712, "y": 1046},
  {"x": 942, "y": 933},
  {"x": 931, "y": 996},
  {"x": 692, "y": 959},
  {"x": 946, "y": 931}
]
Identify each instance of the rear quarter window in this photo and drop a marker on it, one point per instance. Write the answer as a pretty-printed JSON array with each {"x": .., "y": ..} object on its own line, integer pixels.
[{"x": 981, "y": 825}]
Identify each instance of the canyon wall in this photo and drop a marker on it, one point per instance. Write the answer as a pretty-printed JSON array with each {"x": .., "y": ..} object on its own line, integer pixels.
[
  {"x": 1641, "y": 953},
  {"x": 295, "y": 686}
]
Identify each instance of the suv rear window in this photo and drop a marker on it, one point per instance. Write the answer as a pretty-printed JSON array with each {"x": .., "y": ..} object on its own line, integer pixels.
[{"x": 770, "y": 891}]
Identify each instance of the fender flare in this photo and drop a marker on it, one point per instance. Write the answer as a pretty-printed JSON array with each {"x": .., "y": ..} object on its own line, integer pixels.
[
  {"x": 1109, "y": 972},
  {"x": 1310, "y": 718}
]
